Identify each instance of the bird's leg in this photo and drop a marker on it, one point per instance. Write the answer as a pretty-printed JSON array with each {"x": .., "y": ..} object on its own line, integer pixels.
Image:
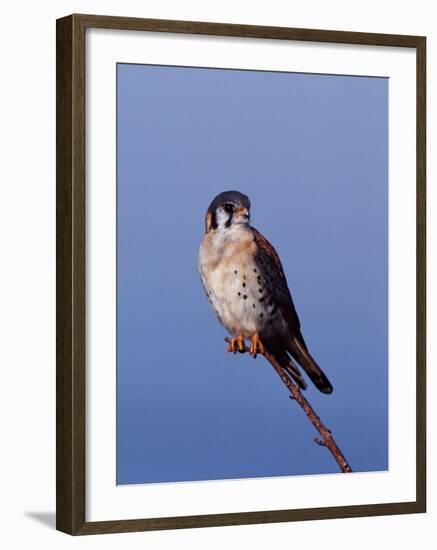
[
  {"x": 241, "y": 344},
  {"x": 232, "y": 345},
  {"x": 236, "y": 344},
  {"x": 256, "y": 346}
]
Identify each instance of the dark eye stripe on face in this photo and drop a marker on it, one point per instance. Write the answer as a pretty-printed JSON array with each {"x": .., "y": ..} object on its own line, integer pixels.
[
  {"x": 214, "y": 223},
  {"x": 229, "y": 220}
]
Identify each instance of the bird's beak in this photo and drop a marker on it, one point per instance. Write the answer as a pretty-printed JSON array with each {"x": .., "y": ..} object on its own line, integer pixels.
[{"x": 242, "y": 212}]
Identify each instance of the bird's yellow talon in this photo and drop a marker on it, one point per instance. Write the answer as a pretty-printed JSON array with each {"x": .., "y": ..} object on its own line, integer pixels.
[
  {"x": 236, "y": 344},
  {"x": 256, "y": 346},
  {"x": 232, "y": 348},
  {"x": 241, "y": 344}
]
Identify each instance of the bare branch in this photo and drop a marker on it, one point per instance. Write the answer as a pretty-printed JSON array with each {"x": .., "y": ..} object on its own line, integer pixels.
[{"x": 326, "y": 439}]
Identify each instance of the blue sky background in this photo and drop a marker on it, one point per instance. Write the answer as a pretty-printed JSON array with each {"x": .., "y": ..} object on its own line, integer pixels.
[{"x": 311, "y": 152}]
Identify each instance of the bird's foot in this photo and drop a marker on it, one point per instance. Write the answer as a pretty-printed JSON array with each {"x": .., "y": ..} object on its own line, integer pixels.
[
  {"x": 256, "y": 346},
  {"x": 236, "y": 344}
]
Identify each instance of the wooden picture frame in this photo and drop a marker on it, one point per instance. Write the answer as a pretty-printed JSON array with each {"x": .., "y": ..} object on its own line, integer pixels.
[{"x": 71, "y": 283}]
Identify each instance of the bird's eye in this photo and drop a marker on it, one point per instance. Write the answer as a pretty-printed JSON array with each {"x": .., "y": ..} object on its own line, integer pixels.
[{"x": 229, "y": 208}]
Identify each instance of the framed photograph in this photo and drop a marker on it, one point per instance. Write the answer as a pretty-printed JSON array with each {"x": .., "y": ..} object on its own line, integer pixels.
[{"x": 240, "y": 274}]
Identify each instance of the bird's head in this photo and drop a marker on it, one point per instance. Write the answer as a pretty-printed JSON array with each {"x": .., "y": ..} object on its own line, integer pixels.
[{"x": 227, "y": 209}]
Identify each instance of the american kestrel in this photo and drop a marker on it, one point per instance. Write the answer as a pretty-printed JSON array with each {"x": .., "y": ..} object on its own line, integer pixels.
[{"x": 245, "y": 283}]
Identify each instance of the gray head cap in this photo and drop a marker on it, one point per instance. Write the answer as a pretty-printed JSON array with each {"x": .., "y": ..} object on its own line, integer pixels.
[{"x": 233, "y": 197}]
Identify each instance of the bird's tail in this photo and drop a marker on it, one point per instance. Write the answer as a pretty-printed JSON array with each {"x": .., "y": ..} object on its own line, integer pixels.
[{"x": 299, "y": 351}]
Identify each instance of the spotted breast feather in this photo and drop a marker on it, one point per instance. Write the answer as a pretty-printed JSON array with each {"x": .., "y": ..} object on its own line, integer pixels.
[{"x": 233, "y": 283}]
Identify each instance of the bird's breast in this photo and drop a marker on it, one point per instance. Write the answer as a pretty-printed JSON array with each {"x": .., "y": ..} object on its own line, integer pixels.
[{"x": 234, "y": 285}]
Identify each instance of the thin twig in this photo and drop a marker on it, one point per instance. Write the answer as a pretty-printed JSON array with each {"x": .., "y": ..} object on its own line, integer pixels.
[{"x": 326, "y": 439}]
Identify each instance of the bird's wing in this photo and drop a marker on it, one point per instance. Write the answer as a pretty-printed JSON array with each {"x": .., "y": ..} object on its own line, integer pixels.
[{"x": 269, "y": 264}]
